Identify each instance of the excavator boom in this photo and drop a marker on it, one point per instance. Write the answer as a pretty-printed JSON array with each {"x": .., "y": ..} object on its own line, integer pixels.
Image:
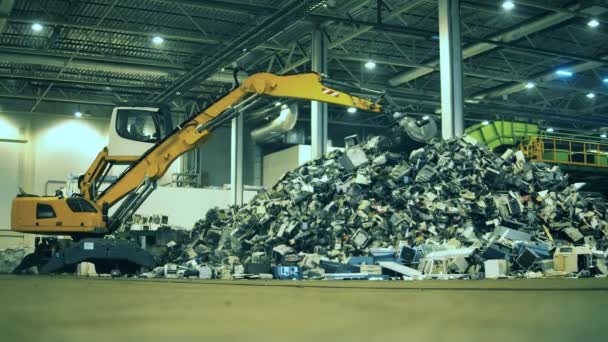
[{"x": 155, "y": 163}]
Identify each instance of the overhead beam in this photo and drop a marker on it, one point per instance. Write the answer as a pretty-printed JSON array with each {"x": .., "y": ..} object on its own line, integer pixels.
[
  {"x": 391, "y": 29},
  {"x": 227, "y": 6},
  {"x": 513, "y": 34},
  {"x": 361, "y": 30},
  {"x": 6, "y": 7},
  {"x": 543, "y": 77},
  {"x": 92, "y": 100},
  {"x": 584, "y": 13},
  {"x": 425, "y": 35},
  {"x": 259, "y": 34},
  {"x": 146, "y": 67},
  {"x": 72, "y": 24},
  {"x": 135, "y": 87},
  {"x": 197, "y": 39},
  {"x": 400, "y": 62},
  {"x": 122, "y": 65}
]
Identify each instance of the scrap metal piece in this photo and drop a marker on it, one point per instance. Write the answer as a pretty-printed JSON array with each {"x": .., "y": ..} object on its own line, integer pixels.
[
  {"x": 287, "y": 272},
  {"x": 360, "y": 238},
  {"x": 495, "y": 268},
  {"x": 370, "y": 269},
  {"x": 401, "y": 269},
  {"x": 573, "y": 233},
  {"x": 512, "y": 234}
]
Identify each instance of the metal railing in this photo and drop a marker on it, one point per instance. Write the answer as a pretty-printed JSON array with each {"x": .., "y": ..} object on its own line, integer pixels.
[{"x": 565, "y": 149}]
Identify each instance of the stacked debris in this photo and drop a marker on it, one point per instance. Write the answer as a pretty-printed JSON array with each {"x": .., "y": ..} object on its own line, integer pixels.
[
  {"x": 11, "y": 258},
  {"x": 451, "y": 209}
]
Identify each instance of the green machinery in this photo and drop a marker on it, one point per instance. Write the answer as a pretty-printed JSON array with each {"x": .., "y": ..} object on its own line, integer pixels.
[{"x": 584, "y": 157}]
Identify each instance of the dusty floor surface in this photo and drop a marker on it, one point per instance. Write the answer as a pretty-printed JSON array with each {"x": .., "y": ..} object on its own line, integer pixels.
[{"x": 80, "y": 309}]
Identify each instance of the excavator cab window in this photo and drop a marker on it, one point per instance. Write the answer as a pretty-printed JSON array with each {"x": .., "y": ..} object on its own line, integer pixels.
[
  {"x": 143, "y": 125},
  {"x": 44, "y": 211},
  {"x": 80, "y": 205},
  {"x": 138, "y": 125}
]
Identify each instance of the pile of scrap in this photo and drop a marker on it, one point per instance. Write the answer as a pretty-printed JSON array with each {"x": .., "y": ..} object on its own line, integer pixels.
[
  {"x": 449, "y": 210},
  {"x": 10, "y": 258}
]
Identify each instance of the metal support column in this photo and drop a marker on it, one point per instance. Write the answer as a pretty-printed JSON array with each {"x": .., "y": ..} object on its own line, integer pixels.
[
  {"x": 450, "y": 55},
  {"x": 258, "y": 165},
  {"x": 236, "y": 160},
  {"x": 318, "y": 110}
]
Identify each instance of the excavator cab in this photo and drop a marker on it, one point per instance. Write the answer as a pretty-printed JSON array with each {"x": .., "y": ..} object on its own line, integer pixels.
[{"x": 134, "y": 130}]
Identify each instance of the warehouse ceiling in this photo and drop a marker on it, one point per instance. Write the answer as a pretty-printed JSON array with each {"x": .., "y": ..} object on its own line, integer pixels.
[{"x": 63, "y": 56}]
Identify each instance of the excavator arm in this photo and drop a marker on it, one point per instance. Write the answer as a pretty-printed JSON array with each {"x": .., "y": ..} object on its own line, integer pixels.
[
  {"x": 73, "y": 216},
  {"x": 90, "y": 182},
  {"x": 155, "y": 163}
]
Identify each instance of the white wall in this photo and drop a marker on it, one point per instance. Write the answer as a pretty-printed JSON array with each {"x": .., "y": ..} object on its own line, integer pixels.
[
  {"x": 185, "y": 206},
  {"x": 12, "y": 158},
  {"x": 64, "y": 145},
  {"x": 42, "y": 148}
]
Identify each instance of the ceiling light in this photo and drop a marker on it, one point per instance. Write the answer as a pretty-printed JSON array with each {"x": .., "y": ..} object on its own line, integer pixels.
[
  {"x": 78, "y": 114},
  {"x": 352, "y": 110},
  {"x": 370, "y": 65},
  {"x": 530, "y": 85},
  {"x": 605, "y": 80},
  {"x": 562, "y": 72},
  {"x": 278, "y": 103},
  {"x": 508, "y": 5},
  {"x": 485, "y": 123},
  {"x": 590, "y": 95},
  {"x": 37, "y": 27},
  {"x": 593, "y": 23},
  {"x": 157, "y": 40},
  {"x": 550, "y": 130},
  {"x": 603, "y": 135},
  {"x": 426, "y": 117}
]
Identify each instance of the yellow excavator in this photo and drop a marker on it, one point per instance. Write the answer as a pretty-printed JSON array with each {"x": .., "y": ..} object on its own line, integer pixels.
[{"x": 144, "y": 139}]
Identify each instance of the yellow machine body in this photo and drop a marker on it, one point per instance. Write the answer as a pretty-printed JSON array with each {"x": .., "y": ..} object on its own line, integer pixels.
[{"x": 56, "y": 216}]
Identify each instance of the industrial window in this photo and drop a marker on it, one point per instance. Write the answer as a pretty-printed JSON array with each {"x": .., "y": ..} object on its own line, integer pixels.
[
  {"x": 80, "y": 205},
  {"x": 44, "y": 211},
  {"x": 138, "y": 125}
]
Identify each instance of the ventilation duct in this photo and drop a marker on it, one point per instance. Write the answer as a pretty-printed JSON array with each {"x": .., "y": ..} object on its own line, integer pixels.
[{"x": 285, "y": 122}]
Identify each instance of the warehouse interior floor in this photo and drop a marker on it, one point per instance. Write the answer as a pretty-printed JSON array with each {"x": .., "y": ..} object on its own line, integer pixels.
[{"x": 77, "y": 309}]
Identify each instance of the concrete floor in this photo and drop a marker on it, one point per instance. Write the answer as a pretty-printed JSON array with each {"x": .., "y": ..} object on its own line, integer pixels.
[{"x": 80, "y": 309}]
